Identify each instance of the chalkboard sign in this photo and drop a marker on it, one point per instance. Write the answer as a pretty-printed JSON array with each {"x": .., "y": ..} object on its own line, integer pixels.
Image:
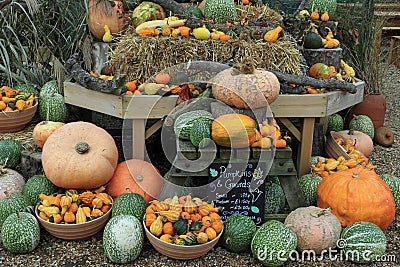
[{"x": 229, "y": 188}]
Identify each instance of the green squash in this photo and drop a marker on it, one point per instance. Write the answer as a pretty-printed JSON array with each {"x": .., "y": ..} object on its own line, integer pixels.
[
  {"x": 123, "y": 238},
  {"x": 308, "y": 185},
  {"x": 275, "y": 198},
  {"x": 196, "y": 11},
  {"x": 335, "y": 123},
  {"x": 180, "y": 227},
  {"x": 52, "y": 108},
  {"x": 26, "y": 88},
  {"x": 394, "y": 185},
  {"x": 363, "y": 242},
  {"x": 196, "y": 226},
  {"x": 12, "y": 203},
  {"x": 312, "y": 41},
  {"x": 10, "y": 153},
  {"x": 272, "y": 243},
  {"x": 36, "y": 185},
  {"x": 50, "y": 87},
  {"x": 200, "y": 130},
  {"x": 184, "y": 122},
  {"x": 364, "y": 124},
  {"x": 220, "y": 10},
  {"x": 129, "y": 204},
  {"x": 238, "y": 233},
  {"x": 20, "y": 232}
]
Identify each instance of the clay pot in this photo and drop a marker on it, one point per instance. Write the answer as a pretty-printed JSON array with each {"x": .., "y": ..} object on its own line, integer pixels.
[{"x": 374, "y": 106}]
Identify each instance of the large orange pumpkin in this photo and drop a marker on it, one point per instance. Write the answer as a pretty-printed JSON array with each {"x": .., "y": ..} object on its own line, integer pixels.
[
  {"x": 103, "y": 12},
  {"x": 247, "y": 88},
  {"x": 355, "y": 195},
  {"x": 79, "y": 155},
  {"x": 136, "y": 176},
  {"x": 234, "y": 130}
]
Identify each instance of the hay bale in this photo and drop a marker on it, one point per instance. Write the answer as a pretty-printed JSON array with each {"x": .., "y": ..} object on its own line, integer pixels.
[{"x": 146, "y": 56}]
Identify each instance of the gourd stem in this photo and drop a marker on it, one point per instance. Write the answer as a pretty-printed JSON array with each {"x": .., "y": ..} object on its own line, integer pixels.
[
  {"x": 351, "y": 132},
  {"x": 82, "y": 147},
  {"x": 355, "y": 175},
  {"x": 139, "y": 178},
  {"x": 321, "y": 212}
]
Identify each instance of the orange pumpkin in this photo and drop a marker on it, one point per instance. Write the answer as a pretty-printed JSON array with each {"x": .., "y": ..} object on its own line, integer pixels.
[
  {"x": 102, "y": 13},
  {"x": 136, "y": 176},
  {"x": 357, "y": 194},
  {"x": 247, "y": 87},
  {"x": 234, "y": 130},
  {"x": 43, "y": 130},
  {"x": 79, "y": 155}
]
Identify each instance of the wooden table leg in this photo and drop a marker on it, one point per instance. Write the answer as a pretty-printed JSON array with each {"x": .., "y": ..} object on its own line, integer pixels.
[
  {"x": 305, "y": 151},
  {"x": 138, "y": 138}
]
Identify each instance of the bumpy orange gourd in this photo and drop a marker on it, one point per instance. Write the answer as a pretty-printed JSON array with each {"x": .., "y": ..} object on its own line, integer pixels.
[
  {"x": 102, "y": 13},
  {"x": 246, "y": 88},
  {"x": 234, "y": 130},
  {"x": 325, "y": 16},
  {"x": 137, "y": 176},
  {"x": 357, "y": 194},
  {"x": 79, "y": 155}
]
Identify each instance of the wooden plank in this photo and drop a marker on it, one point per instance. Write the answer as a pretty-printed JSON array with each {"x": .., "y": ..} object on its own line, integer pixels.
[
  {"x": 306, "y": 146},
  {"x": 78, "y": 95},
  {"x": 147, "y": 106},
  {"x": 293, "y": 194},
  {"x": 282, "y": 167},
  {"x": 153, "y": 128},
  {"x": 300, "y": 106},
  {"x": 138, "y": 131},
  {"x": 291, "y": 127},
  {"x": 340, "y": 100},
  {"x": 185, "y": 150}
]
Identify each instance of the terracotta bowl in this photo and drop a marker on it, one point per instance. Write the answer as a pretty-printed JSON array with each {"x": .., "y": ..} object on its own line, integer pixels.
[
  {"x": 14, "y": 121},
  {"x": 178, "y": 251},
  {"x": 333, "y": 149},
  {"x": 79, "y": 231}
]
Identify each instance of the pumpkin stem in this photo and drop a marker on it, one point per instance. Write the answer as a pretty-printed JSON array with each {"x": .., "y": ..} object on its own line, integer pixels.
[
  {"x": 321, "y": 212},
  {"x": 355, "y": 175},
  {"x": 82, "y": 147},
  {"x": 351, "y": 132},
  {"x": 139, "y": 178},
  {"x": 3, "y": 170}
]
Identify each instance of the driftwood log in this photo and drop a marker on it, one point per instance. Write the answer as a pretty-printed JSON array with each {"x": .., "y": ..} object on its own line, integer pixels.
[
  {"x": 317, "y": 83},
  {"x": 115, "y": 86}
]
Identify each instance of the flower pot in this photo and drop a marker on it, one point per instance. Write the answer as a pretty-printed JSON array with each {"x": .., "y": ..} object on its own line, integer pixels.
[{"x": 374, "y": 106}]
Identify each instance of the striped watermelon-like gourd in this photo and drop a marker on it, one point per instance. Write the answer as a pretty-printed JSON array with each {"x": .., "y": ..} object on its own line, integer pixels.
[
  {"x": 52, "y": 108},
  {"x": 184, "y": 122},
  {"x": 123, "y": 238},
  {"x": 363, "y": 242},
  {"x": 10, "y": 153},
  {"x": 335, "y": 123},
  {"x": 20, "y": 232},
  {"x": 129, "y": 204},
  {"x": 200, "y": 130},
  {"x": 308, "y": 185},
  {"x": 49, "y": 87},
  {"x": 238, "y": 232},
  {"x": 12, "y": 203},
  {"x": 273, "y": 243},
  {"x": 323, "y": 5},
  {"x": 394, "y": 185},
  {"x": 220, "y": 10},
  {"x": 275, "y": 198}
]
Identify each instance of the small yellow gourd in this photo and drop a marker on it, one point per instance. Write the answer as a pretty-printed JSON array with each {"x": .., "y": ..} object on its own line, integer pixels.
[
  {"x": 171, "y": 215},
  {"x": 80, "y": 216},
  {"x": 157, "y": 226},
  {"x": 167, "y": 238},
  {"x": 211, "y": 233},
  {"x": 87, "y": 211},
  {"x": 202, "y": 238}
]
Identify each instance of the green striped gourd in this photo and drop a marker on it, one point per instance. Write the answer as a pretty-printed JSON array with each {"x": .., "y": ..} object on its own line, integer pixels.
[
  {"x": 364, "y": 124},
  {"x": 363, "y": 242},
  {"x": 220, "y": 10},
  {"x": 200, "y": 130},
  {"x": 38, "y": 184},
  {"x": 10, "y": 153},
  {"x": 238, "y": 233},
  {"x": 20, "y": 232},
  {"x": 52, "y": 108},
  {"x": 129, "y": 204},
  {"x": 275, "y": 198},
  {"x": 184, "y": 122},
  {"x": 308, "y": 185},
  {"x": 335, "y": 123},
  {"x": 12, "y": 203},
  {"x": 394, "y": 185},
  {"x": 272, "y": 243},
  {"x": 123, "y": 238}
]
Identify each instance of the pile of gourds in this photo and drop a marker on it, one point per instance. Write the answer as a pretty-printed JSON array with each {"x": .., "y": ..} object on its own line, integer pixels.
[
  {"x": 323, "y": 168},
  {"x": 74, "y": 207},
  {"x": 11, "y": 99},
  {"x": 183, "y": 220}
]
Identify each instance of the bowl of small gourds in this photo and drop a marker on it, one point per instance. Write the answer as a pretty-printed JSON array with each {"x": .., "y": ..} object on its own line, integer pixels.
[
  {"x": 183, "y": 227},
  {"x": 17, "y": 108},
  {"x": 74, "y": 215}
]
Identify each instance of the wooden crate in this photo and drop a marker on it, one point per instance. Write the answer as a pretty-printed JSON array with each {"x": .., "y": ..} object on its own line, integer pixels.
[{"x": 282, "y": 166}]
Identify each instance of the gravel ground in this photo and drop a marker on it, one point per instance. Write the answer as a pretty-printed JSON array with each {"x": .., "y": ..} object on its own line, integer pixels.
[{"x": 55, "y": 252}]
